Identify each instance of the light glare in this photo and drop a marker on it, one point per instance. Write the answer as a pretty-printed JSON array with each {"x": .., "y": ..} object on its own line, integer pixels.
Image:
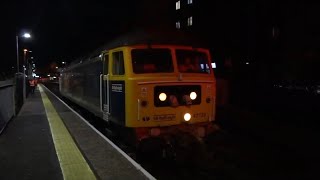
[
  {"x": 26, "y": 35},
  {"x": 193, "y": 95},
  {"x": 162, "y": 96},
  {"x": 187, "y": 117}
]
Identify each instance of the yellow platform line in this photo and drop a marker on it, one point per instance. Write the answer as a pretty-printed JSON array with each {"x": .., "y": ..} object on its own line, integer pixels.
[{"x": 72, "y": 163}]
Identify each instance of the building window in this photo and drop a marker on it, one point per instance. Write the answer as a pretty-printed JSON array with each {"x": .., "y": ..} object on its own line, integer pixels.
[
  {"x": 190, "y": 21},
  {"x": 177, "y": 5},
  {"x": 178, "y": 25},
  {"x": 189, "y": 1}
]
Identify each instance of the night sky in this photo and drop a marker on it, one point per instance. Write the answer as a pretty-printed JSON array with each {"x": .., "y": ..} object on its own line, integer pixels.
[
  {"x": 62, "y": 30},
  {"x": 65, "y": 29}
]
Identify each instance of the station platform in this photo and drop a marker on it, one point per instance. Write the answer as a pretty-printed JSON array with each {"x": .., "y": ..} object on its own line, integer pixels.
[{"x": 48, "y": 140}]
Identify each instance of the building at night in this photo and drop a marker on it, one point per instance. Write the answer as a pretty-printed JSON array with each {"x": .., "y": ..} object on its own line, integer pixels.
[{"x": 254, "y": 44}]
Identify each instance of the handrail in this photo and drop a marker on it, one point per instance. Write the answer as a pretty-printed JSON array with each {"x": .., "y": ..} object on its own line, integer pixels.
[
  {"x": 6, "y": 83},
  {"x": 108, "y": 93},
  {"x": 101, "y": 98}
]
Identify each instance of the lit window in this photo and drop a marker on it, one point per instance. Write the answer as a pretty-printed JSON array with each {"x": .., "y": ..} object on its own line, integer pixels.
[
  {"x": 190, "y": 21},
  {"x": 178, "y": 25},
  {"x": 177, "y": 5},
  {"x": 189, "y": 1}
]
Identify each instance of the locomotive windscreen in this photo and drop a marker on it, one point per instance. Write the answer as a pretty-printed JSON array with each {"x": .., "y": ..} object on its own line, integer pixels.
[
  {"x": 192, "y": 62},
  {"x": 151, "y": 61}
]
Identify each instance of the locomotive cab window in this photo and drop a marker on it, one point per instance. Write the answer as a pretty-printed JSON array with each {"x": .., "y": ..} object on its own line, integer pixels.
[
  {"x": 106, "y": 64},
  {"x": 151, "y": 61},
  {"x": 192, "y": 62},
  {"x": 118, "y": 63}
]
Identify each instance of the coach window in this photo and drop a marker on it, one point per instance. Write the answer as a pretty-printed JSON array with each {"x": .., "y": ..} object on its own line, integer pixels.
[
  {"x": 118, "y": 65},
  {"x": 106, "y": 64}
]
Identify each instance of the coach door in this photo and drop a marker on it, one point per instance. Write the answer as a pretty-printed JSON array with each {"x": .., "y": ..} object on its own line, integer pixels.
[{"x": 105, "y": 89}]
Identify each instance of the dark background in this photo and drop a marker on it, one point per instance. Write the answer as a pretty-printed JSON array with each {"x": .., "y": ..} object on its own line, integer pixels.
[
  {"x": 278, "y": 39},
  {"x": 267, "y": 55}
]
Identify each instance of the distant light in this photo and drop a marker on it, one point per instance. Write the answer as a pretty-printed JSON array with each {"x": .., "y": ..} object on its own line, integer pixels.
[
  {"x": 26, "y": 35},
  {"x": 213, "y": 65},
  {"x": 190, "y": 21},
  {"x": 100, "y": 56},
  {"x": 63, "y": 62},
  {"x": 31, "y": 57},
  {"x": 25, "y": 50},
  {"x": 178, "y": 25},
  {"x": 177, "y": 5},
  {"x": 30, "y": 51},
  {"x": 247, "y": 62},
  {"x": 57, "y": 67},
  {"x": 48, "y": 75}
]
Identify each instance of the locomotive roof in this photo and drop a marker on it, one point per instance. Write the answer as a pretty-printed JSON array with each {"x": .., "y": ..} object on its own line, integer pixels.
[
  {"x": 147, "y": 36},
  {"x": 151, "y": 36}
]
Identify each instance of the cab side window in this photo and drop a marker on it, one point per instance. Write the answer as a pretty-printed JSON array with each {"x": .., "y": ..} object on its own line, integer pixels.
[
  {"x": 106, "y": 64},
  {"x": 118, "y": 63}
]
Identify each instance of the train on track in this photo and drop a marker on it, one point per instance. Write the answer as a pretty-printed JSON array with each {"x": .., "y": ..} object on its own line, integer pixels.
[{"x": 147, "y": 84}]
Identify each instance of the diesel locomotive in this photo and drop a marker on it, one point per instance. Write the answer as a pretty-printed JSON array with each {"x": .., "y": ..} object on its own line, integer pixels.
[{"x": 149, "y": 83}]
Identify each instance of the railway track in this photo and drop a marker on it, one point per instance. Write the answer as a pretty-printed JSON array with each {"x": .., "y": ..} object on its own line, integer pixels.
[
  {"x": 189, "y": 160},
  {"x": 236, "y": 151}
]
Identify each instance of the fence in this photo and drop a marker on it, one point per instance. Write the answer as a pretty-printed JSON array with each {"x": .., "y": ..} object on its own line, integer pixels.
[{"x": 12, "y": 93}]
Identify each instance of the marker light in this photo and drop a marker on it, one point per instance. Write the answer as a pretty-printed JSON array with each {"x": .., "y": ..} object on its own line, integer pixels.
[
  {"x": 193, "y": 95},
  {"x": 187, "y": 117},
  {"x": 162, "y": 96},
  {"x": 173, "y": 101}
]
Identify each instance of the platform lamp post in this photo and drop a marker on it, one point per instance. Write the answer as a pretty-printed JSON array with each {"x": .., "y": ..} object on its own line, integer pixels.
[
  {"x": 25, "y": 62},
  {"x": 25, "y": 35}
]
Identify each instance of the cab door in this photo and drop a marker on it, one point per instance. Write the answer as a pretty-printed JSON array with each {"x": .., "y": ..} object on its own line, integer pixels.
[
  {"x": 105, "y": 88},
  {"x": 117, "y": 86}
]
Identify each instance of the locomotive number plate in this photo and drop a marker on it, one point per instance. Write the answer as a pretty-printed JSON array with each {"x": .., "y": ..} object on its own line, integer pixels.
[
  {"x": 164, "y": 117},
  {"x": 199, "y": 115}
]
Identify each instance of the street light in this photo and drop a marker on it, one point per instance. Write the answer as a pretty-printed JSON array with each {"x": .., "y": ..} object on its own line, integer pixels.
[
  {"x": 25, "y": 35},
  {"x": 24, "y": 55}
]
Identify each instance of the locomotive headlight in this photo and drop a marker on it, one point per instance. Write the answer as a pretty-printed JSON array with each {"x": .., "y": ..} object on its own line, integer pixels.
[
  {"x": 187, "y": 116},
  {"x": 162, "y": 96},
  {"x": 193, "y": 95}
]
